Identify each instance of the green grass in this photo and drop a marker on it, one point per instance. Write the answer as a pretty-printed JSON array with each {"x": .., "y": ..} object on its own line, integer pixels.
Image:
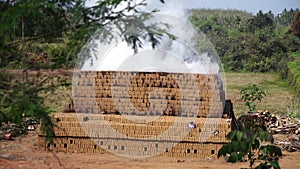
[
  {"x": 294, "y": 108},
  {"x": 279, "y": 95},
  {"x": 294, "y": 78},
  {"x": 294, "y": 75},
  {"x": 295, "y": 54}
]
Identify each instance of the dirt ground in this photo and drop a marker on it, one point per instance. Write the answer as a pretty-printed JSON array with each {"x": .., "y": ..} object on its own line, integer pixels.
[{"x": 22, "y": 153}]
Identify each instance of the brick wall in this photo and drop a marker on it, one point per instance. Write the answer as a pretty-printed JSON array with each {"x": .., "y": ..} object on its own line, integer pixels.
[
  {"x": 88, "y": 133},
  {"x": 148, "y": 93}
]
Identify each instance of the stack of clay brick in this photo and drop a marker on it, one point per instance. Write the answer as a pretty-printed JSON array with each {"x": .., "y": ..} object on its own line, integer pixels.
[
  {"x": 148, "y": 93},
  {"x": 123, "y": 135},
  {"x": 140, "y": 114}
]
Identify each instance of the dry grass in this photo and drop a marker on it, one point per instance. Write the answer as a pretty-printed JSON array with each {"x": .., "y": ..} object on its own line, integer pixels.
[
  {"x": 278, "y": 98},
  {"x": 59, "y": 100}
]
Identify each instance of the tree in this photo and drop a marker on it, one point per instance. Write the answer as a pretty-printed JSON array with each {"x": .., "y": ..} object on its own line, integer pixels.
[
  {"x": 286, "y": 17},
  {"x": 25, "y": 23},
  {"x": 71, "y": 21},
  {"x": 296, "y": 25},
  {"x": 261, "y": 21}
]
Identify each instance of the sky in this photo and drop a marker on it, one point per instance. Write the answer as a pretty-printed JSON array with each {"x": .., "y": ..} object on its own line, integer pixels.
[{"x": 252, "y": 6}]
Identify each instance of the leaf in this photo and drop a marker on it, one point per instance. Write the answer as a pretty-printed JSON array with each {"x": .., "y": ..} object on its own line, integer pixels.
[
  {"x": 223, "y": 151},
  {"x": 254, "y": 136},
  {"x": 229, "y": 147},
  {"x": 275, "y": 164},
  {"x": 262, "y": 166},
  {"x": 239, "y": 135},
  {"x": 264, "y": 149},
  {"x": 244, "y": 146},
  {"x": 235, "y": 146},
  {"x": 263, "y": 135},
  {"x": 251, "y": 94},
  {"x": 240, "y": 156},
  {"x": 256, "y": 144},
  {"x": 235, "y": 157},
  {"x": 274, "y": 150},
  {"x": 155, "y": 10},
  {"x": 231, "y": 135}
]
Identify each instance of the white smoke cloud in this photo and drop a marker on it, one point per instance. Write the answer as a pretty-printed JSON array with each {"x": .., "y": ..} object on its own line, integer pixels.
[
  {"x": 176, "y": 8},
  {"x": 179, "y": 56}
]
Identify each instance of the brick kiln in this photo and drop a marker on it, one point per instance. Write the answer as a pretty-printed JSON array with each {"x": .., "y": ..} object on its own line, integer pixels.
[
  {"x": 112, "y": 108},
  {"x": 113, "y": 92}
]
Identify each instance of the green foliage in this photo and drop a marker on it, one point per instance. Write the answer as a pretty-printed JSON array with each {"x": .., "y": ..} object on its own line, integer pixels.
[
  {"x": 38, "y": 55},
  {"x": 22, "y": 96},
  {"x": 248, "y": 144},
  {"x": 71, "y": 22},
  {"x": 27, "y": 25},
  {"x": 286, "y": 17},
  {"x": 248, "y": 43},
  {"x": 296, "y": 54},
  {"x": 251, "y": 94},
  {"x": 231, "y": 19},
  {"x": 260, "y": 21},
  {"x": 296, "y": 25},
  {"x": 40, "y": 18}
]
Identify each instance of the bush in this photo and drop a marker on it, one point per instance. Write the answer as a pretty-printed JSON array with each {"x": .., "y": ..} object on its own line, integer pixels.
[
  {"x": 249, "y": 144},
  {"x": 250, "y": 95},
  {"x": 37, "y": 56}
]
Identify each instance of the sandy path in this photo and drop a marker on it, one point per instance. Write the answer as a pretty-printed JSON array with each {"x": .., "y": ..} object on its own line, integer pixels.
[{"x": 23, "y": 154}]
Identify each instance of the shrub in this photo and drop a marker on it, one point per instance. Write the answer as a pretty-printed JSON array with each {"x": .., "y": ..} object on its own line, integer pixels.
[
  {"x": 251, "y": 94},
  {"x": 249, "y": 144}
]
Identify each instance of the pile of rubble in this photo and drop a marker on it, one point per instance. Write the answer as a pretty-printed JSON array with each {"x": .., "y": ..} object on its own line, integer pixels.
[
  {"x": 281, "y": 124},
  {"x": 8, "y": 131}
]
